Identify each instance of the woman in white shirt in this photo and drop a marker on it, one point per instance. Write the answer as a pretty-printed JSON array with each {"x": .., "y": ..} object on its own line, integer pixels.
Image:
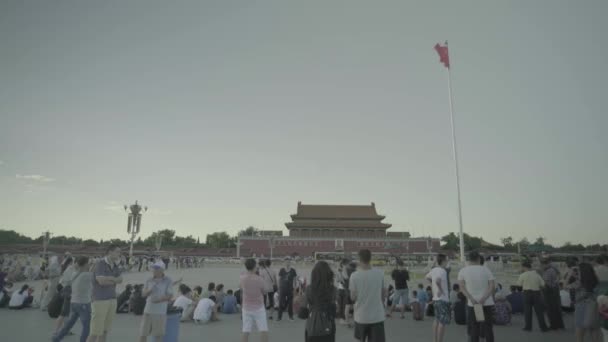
[{"x": 21, "y": 299}]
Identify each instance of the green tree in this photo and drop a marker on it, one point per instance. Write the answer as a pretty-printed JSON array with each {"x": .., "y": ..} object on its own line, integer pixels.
[
  {"x": 249, "y": 231},
  {"x": 220, "y": 240},
  {"x": 10, "y": 237},
  {"x": 507, "y": 242},
  {"x": 450, "y": 242},
  {"x": 90, "y": 243}
]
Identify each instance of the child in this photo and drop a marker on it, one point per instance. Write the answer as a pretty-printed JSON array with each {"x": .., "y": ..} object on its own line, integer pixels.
[
  {"x": 423, "y": 297},
  {"x": 415, "y": 306}
]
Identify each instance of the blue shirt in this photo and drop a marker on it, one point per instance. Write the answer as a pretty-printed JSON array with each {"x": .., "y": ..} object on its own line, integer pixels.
[
  {"x": 516, "y": 299},
  {"x": 422, "y": 297},
  {"x": 229, "y": 305}
]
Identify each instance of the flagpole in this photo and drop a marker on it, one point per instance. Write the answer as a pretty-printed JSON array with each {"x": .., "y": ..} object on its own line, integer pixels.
[{"x": 462, "y": 258}]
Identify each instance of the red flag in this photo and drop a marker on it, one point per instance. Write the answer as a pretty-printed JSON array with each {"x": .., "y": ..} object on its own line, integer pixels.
[{"x": 444, "y": 56}]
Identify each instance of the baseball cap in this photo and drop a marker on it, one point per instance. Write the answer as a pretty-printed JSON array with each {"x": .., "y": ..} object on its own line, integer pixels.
[{"x": 159, "y": 265}]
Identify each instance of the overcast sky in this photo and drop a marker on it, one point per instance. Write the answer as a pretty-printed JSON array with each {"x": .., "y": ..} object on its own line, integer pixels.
[{"x": 224, "y": 114}]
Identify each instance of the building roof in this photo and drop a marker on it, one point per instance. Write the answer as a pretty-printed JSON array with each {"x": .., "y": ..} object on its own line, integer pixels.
[{"x": 317, "y": 211}]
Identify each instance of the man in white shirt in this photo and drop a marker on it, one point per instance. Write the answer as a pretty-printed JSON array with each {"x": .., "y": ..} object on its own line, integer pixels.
[
  {"x": 206, "y": 310},
  {"x": 477, "y": 284},
  {"x": 368, "y": 293},
  {"x": 438, "y": 277}
]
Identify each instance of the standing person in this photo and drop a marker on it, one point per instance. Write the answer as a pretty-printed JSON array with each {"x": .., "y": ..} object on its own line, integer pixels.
[
  {"x": 66, "y": 283},
  {"x": 106, "y": 275},
  {"x": 551, "y": 295},
  {"x": 321, "y": 302},
  {"x": 531, "y": 282},
  {"x": 270, "y": 285},
  {"x": 80, "y": 304},
  {"x": 401, "y": 295},
  {"x": 341, "y": 279},
  {"x": 586, "y": 309},
  {"x": 441, "y": 302},
  {"x": 158, "y": 293},
  {"x": 253, "y": 288},
  {"x": 54, "y": 272},
  {"x": 477, "y": 284},
  {"x": 287, "y": 277},
  {"x": 368, "y": 293}
]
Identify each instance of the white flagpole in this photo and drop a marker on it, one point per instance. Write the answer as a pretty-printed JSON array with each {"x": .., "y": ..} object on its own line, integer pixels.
[{"x": 462, "y": 258}]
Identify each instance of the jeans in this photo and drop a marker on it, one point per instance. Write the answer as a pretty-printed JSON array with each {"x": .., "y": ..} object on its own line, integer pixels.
[
  {"x": 82, "y": 311},
  {"x": 286, "y": 302},
  {"x": 533, "y": 300}
]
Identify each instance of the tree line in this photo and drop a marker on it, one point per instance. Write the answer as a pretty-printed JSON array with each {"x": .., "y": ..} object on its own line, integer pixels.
[{"x": 169, "y": 239}]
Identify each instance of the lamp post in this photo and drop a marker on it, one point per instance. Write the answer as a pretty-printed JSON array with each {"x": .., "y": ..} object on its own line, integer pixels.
[
  {"x": 134, "y": 222},
  {"x": 46, "y": 238},
  {"x": 158, "y": 242}
]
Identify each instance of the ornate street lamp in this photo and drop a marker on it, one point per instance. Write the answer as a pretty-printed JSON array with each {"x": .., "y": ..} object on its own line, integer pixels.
[
  {"x": 46, "y": 238},
  {"x": 134, "y": 222}
]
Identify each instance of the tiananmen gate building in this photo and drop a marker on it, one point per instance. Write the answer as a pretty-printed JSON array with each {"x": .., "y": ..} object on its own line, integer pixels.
[{"x": 334, "y": 229}]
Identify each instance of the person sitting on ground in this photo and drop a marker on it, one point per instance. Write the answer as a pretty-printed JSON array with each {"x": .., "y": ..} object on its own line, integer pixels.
[
  {"x": 299, "y": 301},
  {"x": 122, "y": 303},
  {"x": 197, "y": 294},
  {"x": 516, "y": 299},
  {"x": 185, "y": 302},
  {"x": 205, "y": 311},
  {"x": 22, "y": 298},
  {"x": 210, "y": 291},
  {"x": 138, "y": 301},
  {"x": 502, "y": 310},
  {"x": 416, "y": 307},
  {"x": 219, "y": 295},
  {"x": 5, "y": 294},
  {"x": 460, "y": 309},
  {"x": 229, "y": 305},
  {"x": 566, "y": 301}
]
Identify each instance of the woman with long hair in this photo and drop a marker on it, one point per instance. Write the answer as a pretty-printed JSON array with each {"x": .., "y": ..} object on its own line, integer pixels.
[
  {"x": 321, "y": 301},
  {"x": 21, "y": 299},
  {"x": 586, "y": 311}
]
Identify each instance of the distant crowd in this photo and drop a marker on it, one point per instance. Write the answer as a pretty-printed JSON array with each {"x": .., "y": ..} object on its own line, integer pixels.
[{"x": 348, "y": 292}]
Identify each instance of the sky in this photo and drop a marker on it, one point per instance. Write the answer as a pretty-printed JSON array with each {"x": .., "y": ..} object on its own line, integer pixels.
[{"x": 223, "y": 114}]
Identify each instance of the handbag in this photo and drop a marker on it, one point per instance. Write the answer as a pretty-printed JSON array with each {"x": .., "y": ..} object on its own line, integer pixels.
[{"x": 275, "y": 288}]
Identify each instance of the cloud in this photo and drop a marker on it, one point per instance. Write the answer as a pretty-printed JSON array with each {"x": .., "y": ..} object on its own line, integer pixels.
[
  {"x": 35, "y": 178},
  {"x": 113, "y": 207}
]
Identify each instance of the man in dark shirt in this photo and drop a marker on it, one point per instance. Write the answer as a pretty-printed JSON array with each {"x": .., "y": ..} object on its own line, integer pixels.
[
  {"x": 287, "y": 276},
  {"x": 400, "y": 276}
]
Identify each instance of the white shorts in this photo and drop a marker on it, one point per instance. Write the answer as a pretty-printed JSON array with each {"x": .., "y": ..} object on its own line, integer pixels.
[{"x": 258, "y": 316}]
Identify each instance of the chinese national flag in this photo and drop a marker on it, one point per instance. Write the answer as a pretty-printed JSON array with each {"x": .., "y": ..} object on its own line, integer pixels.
[{"x": 444, "y": 56}]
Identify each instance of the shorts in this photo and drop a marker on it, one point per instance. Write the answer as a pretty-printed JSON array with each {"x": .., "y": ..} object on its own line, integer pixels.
[
  {"x": 65, "y": 308},
  {"x": 257, "y": 316},
  {"x": 401, "y": 297},
  {"x": 153, "y": 325},
  {"x": 443, "y": 314},
  {"x": 102, "y": 315},
  {"x": 373, "y": 332}
]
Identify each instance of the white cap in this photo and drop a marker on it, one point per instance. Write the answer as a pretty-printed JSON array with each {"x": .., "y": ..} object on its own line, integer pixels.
[{"x": 159, "y": 265}]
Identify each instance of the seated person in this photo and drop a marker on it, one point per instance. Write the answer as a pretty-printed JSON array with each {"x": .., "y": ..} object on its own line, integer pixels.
[
  {"x": 138, "y": 301},
  {"x": 299, "y": 301},
  {"x": 460, "y": 309},
  {"x": 454, "y": 294},
  {"x": 229, "y": 305},
  {"x": 516, "y": 299},
  {"x": 565, "y": 299},
  {"x": 5, "y": 294},
  {"x": 185, "y": 302},
  {"x": 219, "y": 296},
  {"x": 21, "y": 299},
  {"x": 502, "y": 310},
  {"x": 122, "y": 302},
  {"x": 416, "y": 307},
  {"x": 205, "y": 311},
  {"x": 197, "y": 293}
]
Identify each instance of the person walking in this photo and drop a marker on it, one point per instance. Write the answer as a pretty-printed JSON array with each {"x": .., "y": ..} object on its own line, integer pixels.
[
  {"x": 66, "y": 290},
  {"x": 401, "y": 295},
  {"x": 551, "y": 295},
  {"x": 586, "y": 308},
  {"x": 158, "y": 293},
  {"x": 321, "y": 303},
  {"x": 477, "y": 284},
  {"x": 271, "y": 285},
  {"x": 532, "y": 283},
  {"x": 438, "y": 277},
  {"x": 287, "y": 281},
  {"x": 368, "y": 293},
  {"x": 80, "y": 302},
  {"x": 254, "y": 312},
  {"x": 106, "y": 275}
]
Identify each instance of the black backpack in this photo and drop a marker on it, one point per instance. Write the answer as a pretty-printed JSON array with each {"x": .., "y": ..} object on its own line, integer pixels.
[{"x": 55, "y": 305}]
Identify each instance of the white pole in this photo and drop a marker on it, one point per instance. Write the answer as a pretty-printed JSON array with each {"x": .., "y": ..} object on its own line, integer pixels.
[{"x": 456, "y": 164}]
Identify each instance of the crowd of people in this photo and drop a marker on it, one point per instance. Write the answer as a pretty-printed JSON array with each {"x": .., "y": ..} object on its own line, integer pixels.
[{"x": 354, "y": 294}]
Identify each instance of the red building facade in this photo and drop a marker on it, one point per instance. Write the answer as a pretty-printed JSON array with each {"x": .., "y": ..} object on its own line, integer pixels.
[{"x": 335, "y": 229}]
